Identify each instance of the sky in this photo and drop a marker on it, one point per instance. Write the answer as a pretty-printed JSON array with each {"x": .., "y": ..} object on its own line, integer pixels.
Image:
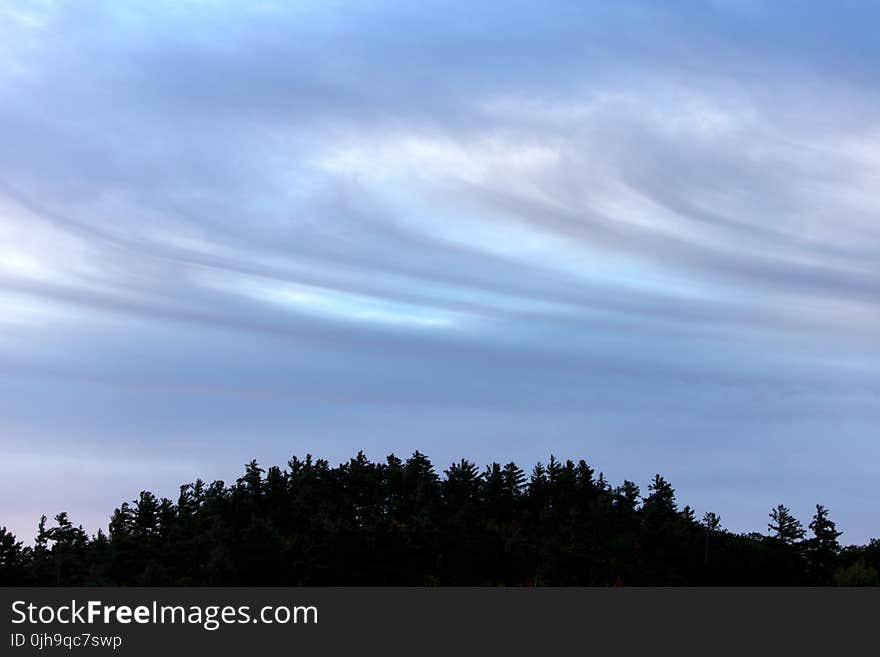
[{"x": 643, "y": 234}]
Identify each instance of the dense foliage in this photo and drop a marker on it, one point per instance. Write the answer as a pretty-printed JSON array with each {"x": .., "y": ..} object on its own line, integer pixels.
[{"x": 398, "y": 522}]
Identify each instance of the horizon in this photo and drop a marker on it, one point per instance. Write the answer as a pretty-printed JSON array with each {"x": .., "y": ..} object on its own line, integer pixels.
[
  {"x": 441, "y": 470},
  {"x": 645, "y": 236}
]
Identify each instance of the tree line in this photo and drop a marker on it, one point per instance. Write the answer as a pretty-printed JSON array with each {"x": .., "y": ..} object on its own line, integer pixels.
[{"x": 398, "y": 522}]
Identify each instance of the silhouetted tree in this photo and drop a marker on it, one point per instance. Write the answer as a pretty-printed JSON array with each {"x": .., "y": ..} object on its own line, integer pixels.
[
  {"x": 12, "y": 559},
  {"x": 823, "y": 548},
  {"x": 785, "y": 527},
  {"x": 68, "y": 551},
  {"x": 711, "y": 521}
]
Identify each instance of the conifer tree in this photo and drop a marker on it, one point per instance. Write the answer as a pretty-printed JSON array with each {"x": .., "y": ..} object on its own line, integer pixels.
[
  {"x": 12, "y": 559},
  {"x": 823, "y": 547},
  {"x": 661, "y": 498},
  {"x": 711, "y": 521},
  {"x": 784, "y": 526}
]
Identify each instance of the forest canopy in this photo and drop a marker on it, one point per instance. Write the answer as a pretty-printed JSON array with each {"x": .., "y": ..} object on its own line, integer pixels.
[{"x": 399, "y": 522}]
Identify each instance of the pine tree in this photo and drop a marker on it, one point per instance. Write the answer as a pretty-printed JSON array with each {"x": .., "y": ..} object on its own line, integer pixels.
[
  {"x": 661, "y": 499},
  {"x": 41, "y": 542},
  {"x": 514, "y": 479},
  {"x": 146, "y": 516},
  {"x": 12, "y": 558},
  {"x": 626, "y": 496},
  {"x": 784, "y": 526},
  {"x": 824, "y": 531},
  {"x": 823, "y": 548},
  {"x": 252, "y": 479},
  {"x": 711, "y": 521},
  {"x": 68, "y": 550}
]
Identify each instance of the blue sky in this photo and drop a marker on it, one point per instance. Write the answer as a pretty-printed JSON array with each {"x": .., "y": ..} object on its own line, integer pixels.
[{"x": 645, "y": 234}]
